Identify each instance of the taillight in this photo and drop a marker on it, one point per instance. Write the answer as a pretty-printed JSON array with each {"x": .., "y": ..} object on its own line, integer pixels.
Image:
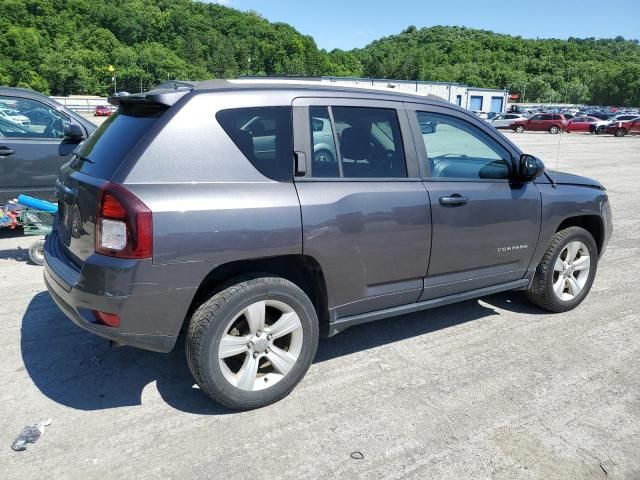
[{"x": 124, "y": 225}]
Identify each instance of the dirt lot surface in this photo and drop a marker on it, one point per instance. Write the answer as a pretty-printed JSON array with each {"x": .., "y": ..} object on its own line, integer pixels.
[{"x": 491, "y": 388}]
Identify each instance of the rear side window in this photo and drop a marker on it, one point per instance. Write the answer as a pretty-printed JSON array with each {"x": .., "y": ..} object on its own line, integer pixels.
[
  {"x": 369, "y": 143},
  {"x": 104, "y": 151},
  {"x": 264, "y": 136}
]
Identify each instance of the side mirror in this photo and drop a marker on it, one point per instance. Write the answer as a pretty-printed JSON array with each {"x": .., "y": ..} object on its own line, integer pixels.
[
  {"x": 73, "y": 133},
  {"x": 529, "y": 167}
]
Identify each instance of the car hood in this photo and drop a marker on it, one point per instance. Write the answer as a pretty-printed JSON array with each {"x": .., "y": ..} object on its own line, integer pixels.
[{"x": 562, "y": 178}]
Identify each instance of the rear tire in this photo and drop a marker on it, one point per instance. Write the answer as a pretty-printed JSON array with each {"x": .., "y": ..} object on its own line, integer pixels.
[
  {"x": 554, "y": 129},
  {"x": 600, "y": 130},
  {"x": 565, "y": 274},
  {"x": 36, "y": 252},
  {"x": 239, "y": 353},
  {"x": 323, "y": 157}
]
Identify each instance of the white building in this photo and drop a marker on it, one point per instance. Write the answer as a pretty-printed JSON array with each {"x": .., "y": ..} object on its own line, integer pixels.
[{"x": 471, "y": 98}]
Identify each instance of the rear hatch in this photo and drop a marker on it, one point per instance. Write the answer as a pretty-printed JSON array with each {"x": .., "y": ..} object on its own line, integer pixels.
[{"x": 93, "y": 164}]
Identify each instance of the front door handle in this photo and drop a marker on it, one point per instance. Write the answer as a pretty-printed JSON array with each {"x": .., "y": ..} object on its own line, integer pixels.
[
  {"x": 6, "y": 151},
  {"x": 455, "y": 200}
]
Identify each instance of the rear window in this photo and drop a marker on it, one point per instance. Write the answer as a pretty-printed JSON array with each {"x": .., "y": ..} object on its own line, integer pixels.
[
  {"x": 264, "y": 136},
  {"x": 102, "y": 154}
]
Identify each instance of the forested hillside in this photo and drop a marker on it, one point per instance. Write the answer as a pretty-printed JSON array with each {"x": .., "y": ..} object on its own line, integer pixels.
[
  {"x": 603, "y": 72},
  {"x": 65, "y": 46}
]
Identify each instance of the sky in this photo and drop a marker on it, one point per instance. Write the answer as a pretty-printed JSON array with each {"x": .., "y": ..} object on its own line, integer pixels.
[{"x": 348, "y": 24}]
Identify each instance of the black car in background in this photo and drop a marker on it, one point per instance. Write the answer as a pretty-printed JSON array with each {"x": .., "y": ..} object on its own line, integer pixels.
[{"x": 31, "y": 155}]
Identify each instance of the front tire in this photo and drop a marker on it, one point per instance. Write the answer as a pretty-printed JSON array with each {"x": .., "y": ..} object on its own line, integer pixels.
[
  {"x": 554, "y": 129},
  {"x": 249, "y": 345},
  {"x": 565, "y": 274},
  {"x": 620, "y": 132},
  {"x": 520, "y": 129}
]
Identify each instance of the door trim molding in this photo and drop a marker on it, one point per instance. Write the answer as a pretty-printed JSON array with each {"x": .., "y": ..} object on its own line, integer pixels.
[{"x": 341, "y": 324}]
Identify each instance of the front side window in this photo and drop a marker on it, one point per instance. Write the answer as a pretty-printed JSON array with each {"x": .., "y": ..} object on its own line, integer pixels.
[
  {"x": 264, "y": 135},
  {"x": 30, "y": 119},
  {"x": 369, "y": 143},
  {"x": 460, "y": 150}
]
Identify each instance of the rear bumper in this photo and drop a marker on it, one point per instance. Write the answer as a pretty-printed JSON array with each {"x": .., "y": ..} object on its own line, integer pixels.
[
  {"x": 147, "y": 298},
  {"x": 65, "y": 301}
]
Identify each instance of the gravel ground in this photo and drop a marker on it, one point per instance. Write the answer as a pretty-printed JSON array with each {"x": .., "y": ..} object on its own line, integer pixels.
[{"x": 491, "y": 388}]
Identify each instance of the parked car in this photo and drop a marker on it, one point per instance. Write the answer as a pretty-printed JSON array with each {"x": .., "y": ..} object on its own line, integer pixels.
[
  {"x": 261, "y": 129},
  {"x": 603, "y": 115},
  {"x": 541, "y": 122},
  {"x": 480, "y": 114},
  {"x": 505, "y": 120},
  {"x": 14, "y": 116},
  {"x": 31, "y": 156},
  {"x": 601, "y": 126},
  {"x": 257, "y": 251},
  {"x": 580, "y": 124},
  {"x": 626, "y": 127},
  {"x": 102, "y": 111}
]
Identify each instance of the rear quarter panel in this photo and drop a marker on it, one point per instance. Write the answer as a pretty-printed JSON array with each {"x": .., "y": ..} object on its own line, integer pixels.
[{"x": 209, "y": 204}]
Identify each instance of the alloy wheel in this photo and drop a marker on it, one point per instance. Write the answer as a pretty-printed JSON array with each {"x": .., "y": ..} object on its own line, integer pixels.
[
  {"x": 571, "y": 270},
  {"x": 261, "y": 345}
]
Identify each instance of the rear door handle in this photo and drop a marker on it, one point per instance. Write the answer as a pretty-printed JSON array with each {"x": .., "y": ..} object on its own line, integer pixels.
[
  {"x": 6, "y": 151},
  {"x": 455, "y": 200}
]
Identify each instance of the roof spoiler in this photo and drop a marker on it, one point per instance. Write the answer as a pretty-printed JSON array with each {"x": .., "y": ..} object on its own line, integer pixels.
[{"x": 160, "y": 96}]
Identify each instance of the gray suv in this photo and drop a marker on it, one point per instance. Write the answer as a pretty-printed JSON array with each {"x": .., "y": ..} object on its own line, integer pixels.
[{"x": 208, "y": 209}]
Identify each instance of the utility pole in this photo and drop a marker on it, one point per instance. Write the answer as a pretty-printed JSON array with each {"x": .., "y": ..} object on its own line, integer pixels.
[{"x": 111, "y": 69}]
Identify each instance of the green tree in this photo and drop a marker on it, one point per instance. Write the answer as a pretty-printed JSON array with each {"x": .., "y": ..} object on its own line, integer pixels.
[{"x": 63, "y": 47}]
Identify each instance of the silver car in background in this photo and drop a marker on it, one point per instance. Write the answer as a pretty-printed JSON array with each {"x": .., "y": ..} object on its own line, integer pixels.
[{"x": 504, "y": 120}]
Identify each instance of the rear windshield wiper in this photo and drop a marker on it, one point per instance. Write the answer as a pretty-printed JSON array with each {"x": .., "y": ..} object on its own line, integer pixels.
[{"x": 84, "y": 159}]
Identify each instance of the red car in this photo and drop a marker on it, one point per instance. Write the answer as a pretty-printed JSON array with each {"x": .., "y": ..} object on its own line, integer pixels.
[
  {"x": 580, "y": 124},
  {"x": 620, "y": 129},
  {"x": 102, "y": 111},
  {"x": 541, "y": 122}
]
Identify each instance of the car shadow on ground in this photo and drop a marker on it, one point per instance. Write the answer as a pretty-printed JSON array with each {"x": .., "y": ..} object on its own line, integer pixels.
[
  {"x": 79, "y": 370},
  {"x": 19, "y": 254}
]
